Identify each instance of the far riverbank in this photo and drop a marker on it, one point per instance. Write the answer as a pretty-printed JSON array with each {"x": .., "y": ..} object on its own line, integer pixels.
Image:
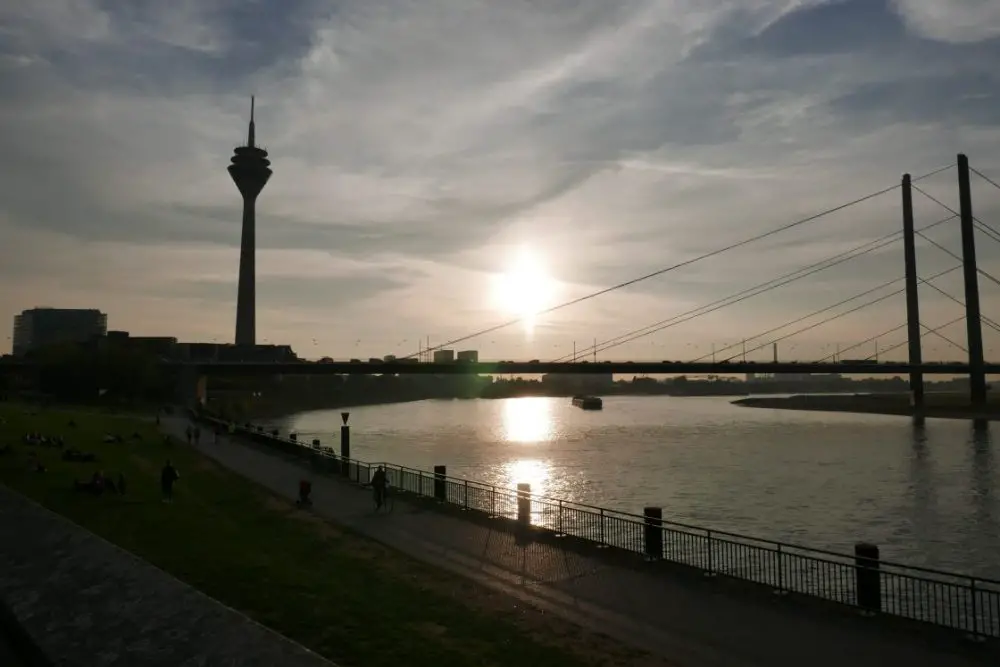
[{"x": 945, "y": 405}]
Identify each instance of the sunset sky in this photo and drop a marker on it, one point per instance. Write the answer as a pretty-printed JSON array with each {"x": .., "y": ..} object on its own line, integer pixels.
[{"x": 442, "y": 167}]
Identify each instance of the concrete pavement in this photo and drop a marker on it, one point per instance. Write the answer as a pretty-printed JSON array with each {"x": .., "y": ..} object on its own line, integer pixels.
[{"x": 696, "y": 624}]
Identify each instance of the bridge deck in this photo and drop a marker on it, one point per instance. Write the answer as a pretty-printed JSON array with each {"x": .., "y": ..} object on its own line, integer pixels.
[{"x": 691, "y": 622}]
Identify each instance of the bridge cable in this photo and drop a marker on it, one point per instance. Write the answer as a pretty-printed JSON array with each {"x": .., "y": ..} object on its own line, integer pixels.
[
  {"x": 928, "y": 332},
  {"x": 835, "y": 317},
  {"x": 864, "y": 342},
  {"x": 945, "y": 338},
  {"x": 673, "y": 267},
  {"x": 748, "y": 293},
  {"x": 989, "y": 322},
  {"x": 976, "y": 220},
  {"x": 806, "y": 317},
  {"x": 987, "y": 231},
  {"x": 985, "y": 177}
]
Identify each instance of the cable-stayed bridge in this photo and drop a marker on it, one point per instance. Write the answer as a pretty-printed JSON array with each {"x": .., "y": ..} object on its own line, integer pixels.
[{"x": 858, "y": 357}]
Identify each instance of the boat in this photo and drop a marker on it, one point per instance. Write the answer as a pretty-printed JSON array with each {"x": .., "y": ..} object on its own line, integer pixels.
[{"x": 588, "y": 402}]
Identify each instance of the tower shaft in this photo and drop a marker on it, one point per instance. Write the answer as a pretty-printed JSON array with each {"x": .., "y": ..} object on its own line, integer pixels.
[{"x": 246, "y": 297}]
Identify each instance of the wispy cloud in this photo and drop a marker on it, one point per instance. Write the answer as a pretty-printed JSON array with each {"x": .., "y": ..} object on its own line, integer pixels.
[{"x": 417, "y": 145}]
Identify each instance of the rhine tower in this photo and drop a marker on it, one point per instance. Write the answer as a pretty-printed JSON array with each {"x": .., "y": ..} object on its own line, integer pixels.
[{"x": 250, "y": 170}]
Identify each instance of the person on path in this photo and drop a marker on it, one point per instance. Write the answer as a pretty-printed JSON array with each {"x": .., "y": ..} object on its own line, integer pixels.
[
  {"x": 168, "y": 476},
  {"x": 379, "y": 483}
]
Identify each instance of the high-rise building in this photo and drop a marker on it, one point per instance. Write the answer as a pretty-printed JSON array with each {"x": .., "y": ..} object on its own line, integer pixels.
[
  {"x": 250, "y": 170},
  {"x": 40, "y": 327}
]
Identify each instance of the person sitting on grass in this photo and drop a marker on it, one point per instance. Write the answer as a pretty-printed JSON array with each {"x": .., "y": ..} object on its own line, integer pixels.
[
  {"x": 96, "y": 484},
  {"x": 168, "y": 476}
]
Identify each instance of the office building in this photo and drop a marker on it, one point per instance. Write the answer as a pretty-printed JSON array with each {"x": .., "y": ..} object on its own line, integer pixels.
[
  {"x": 444, "y": 356},
  {"x": 41, "y": 327}
]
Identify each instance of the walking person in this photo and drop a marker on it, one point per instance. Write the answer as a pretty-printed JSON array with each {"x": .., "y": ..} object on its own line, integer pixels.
[{"x": 168, "y": 476}]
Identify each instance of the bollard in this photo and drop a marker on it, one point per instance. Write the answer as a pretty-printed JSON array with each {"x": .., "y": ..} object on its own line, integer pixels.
[
  {"x": 524, "y": 504},
  {"x": 868, "y": 581},
  {"x": 345, "y": 442},
  {"x": 653, "y": 532},
  {"x": 440, "y": 483}
]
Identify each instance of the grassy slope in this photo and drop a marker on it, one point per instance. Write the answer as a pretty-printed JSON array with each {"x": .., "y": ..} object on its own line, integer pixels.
[{"x": 335, "y": 592}]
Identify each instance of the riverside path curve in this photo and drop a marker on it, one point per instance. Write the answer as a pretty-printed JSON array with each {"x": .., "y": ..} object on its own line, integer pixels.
[{"x": 690, "y": 623}]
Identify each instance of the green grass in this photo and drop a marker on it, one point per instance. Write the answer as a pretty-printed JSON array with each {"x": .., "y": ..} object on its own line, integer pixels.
[{"x": 346, "y": 597}]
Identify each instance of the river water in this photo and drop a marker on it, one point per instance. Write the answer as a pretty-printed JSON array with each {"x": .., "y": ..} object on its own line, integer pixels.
[{"x": 927, "y": 496}]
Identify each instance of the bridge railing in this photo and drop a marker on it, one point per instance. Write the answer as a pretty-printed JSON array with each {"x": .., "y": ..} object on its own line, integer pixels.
[{"x": 950, "y": 600}]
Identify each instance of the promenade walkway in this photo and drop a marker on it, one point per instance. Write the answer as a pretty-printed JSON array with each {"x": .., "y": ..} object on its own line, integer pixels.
[
  {"x": 693, "y": 623},
  {"x": 86, "y": 603}
]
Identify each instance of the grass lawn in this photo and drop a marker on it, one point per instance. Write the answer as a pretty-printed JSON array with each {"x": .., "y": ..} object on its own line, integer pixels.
[{"x": 342, "y": 595}]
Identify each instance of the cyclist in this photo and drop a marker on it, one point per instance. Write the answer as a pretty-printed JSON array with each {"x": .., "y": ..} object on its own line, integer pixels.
[{"x": 379, "y": 484}]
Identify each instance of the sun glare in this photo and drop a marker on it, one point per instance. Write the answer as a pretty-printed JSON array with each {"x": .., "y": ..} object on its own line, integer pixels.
[{"x": 525, "y": 288}]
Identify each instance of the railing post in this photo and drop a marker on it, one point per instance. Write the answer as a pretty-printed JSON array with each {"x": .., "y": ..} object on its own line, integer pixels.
[
  {"x": 420, "y": 482},
  {"x": 561, "y": 532},
  {"x": 976, "y": 636},
  {"x": 345, "y": 444},
  {"x": 868, "y": 578},
  {"x": 710, "y": 572},
  {"x": 781, "y": 573},
  {"x": 440, "y": 483},
  {"x": 493, "y": 502},
  {"x": 465, "y": 495},
  {"x": 524, "y": 504},
  {"x": 653, "y": 533},
  {"x": 603, "y": 543}
]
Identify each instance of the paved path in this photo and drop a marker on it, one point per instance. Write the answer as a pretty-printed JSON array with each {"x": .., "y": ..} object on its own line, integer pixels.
[
  {"x": 87, "y": 603},
  {"x": 689, "y": 622}
]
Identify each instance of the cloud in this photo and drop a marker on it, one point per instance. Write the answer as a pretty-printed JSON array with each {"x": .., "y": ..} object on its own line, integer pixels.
[{"x": 416, "y": 146}]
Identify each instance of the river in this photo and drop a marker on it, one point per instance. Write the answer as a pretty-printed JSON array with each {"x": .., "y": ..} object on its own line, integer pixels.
[{"x": 927, "y": 496}]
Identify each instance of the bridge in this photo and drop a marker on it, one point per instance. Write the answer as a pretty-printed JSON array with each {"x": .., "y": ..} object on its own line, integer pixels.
[
  {"x": 732, "y": 359},
  {"x": 222, "y": 369}
]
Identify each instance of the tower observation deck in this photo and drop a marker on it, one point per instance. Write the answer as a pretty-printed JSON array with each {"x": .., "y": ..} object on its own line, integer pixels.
[{"x": 250, "y": 170}]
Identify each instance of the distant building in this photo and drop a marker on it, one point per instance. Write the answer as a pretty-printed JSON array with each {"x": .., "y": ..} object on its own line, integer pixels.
[
  {"x": 444, "y": 356},
  {"x": 224, "y": 352},
  {"x": 41, "y": 327},
  {"x": 161, "y": 346},
  {"x": 468, "y": 356}
]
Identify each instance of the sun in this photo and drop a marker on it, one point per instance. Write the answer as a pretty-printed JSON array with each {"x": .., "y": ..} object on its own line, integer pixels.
[{"x": 525, "y": 289}]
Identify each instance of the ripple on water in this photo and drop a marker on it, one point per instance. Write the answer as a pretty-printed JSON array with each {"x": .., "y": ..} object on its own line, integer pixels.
[{"x": 928, "y": 497}]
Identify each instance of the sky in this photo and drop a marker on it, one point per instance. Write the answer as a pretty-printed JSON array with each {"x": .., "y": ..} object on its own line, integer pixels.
[{"x": 424, "y": 150}]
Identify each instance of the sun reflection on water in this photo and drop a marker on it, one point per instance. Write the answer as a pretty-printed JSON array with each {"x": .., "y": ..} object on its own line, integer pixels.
[
  {"x": 528, "y": 471},
  {"x": 528, "y": 419}
]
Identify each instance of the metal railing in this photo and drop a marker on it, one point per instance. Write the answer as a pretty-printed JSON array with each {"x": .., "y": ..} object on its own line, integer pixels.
[{"x": 959, "y": 602}]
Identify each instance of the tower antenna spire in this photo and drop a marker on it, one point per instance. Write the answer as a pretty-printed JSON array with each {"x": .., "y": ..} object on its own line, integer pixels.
[{"x": 250, "y": 134}]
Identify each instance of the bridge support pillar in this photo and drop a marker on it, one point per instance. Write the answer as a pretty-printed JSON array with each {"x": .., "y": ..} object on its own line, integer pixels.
[
  {"x": 912, "y": 303},
  {"x": 977, "y": 370}
]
